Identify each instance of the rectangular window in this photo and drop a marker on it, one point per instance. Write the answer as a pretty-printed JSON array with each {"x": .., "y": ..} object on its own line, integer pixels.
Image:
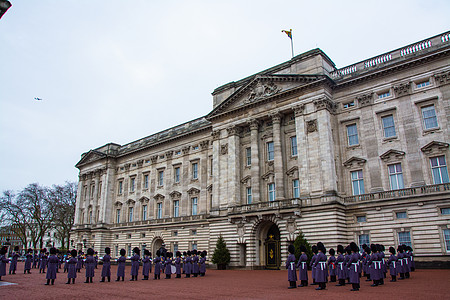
[
  {"x": 352, "y": 134},
  {"x": 439, "y": 170},
  {"x": 296, "y": 188},
  {"x": 161, "y": 178},
  {"x": 90, "y": 218},
  {"x": 195, "y": 171},
  {"x": 349, "y": 104},
  {"x": 118, "y": 216},
  {"x": 446, "y": 233},
  {"x": 130, "y": 214},
  {"x": 429, "y": 117},
  {"x": 175, "y": 233},
  {"x": 132, "y": 182},
  {"x": 357, "y": 182},
  {"x": 144, "y": 212},
  {"x": 129, "y": 250},
  {"x": 249, "y": 195},
  {"x": 271, "y": 190},
  {"x": 212, "y": 167},
  {"x": 194, "y": 206},
  {"x": 361, "y": 219},
  {"x": 404, "y": 238},
  {"x": 177, "y": 174},
  {"x": 396, "y": 176},
  {"x": 175, "y": 247},
  {"x": 145, "y": 181},
  {"x": 445, "y": 211},
  {"x": 423, "y": 84},
  {"x": 294, "y": 146},
  {"x": 401, "y": 215},
  {"x": 388, "y": 126},
  {"x": 159, "y": 210},
  {"x": 194, "y": 246},
  {"x": 384, "y": 95},
  {"x": 100, "y": 190},
  {"x": 270, "y": 151},
  {"x": 120, "y": 190},
  {"x": 248, "y": 155},
  {"x": 117, "y": 250},
  {"x": 176, "y": 208},
  {"x": 363, "y": 239}
]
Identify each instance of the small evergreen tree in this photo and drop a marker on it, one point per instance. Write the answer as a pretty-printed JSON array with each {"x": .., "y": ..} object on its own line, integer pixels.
[
  {"x": 301, "y": 240},
  {"x": 221, "y": 256}
]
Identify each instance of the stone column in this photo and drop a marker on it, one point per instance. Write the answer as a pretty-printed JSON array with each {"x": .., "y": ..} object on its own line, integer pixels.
[
  {"x": 168, "y": 184},
  {"x": 185, "y": 179},
  {"x": 278, "y": 157},
  {"x": 233, "y": 189},
  {"x": 79, "y": 200},
  {"x": 255, "y": 167},
  {"x": 216, "y": 178},
  {"x": 107, "y": 208},
  {"x": 87, "y": 196},
  {"x": 302, "y": 150}
]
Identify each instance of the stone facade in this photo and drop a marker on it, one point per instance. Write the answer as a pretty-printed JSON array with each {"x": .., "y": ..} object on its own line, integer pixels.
[{"x": 358, "y": 153}]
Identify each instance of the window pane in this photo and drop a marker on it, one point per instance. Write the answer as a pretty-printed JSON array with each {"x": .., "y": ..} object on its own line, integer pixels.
[
  {"x": 401, "y": 215},
  {"x": 445, "y": 211},
  {"x": 294, "y": 146},
  {"x": 429, "y": 117},
  {"x": 404, "y": 238},
  {"x": 270, "y": 153},
  {"x": 352, "y": 134},
  {"x": 388, "y": 126},
  {"x": 447, "y": 239}
]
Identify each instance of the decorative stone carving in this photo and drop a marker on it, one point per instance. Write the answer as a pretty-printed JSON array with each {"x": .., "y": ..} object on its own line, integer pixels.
[
  {"x": 254, "y": 124},
  {"x": 209, "y": 188},
  {"x": 175, "y": 195},
  {"x": 311, "y": 126},
  {"x": 240, "y": 229},
  {"x": 233, "y": 130},
  {"x": 224, "y": 149},
  {"x": 262, "y": 90},
  {"x": 276, "y": 117},
  {"x": 140, "y": 162},
  {"x": 204, "y": 144},
  {"x": 193, "y": 191},
  {"x": 388, "y": 155},
  {"x": 169, "y": 154},
  {"x": 435, "y": 147},
  {"x": 325, "y": 103},
  {"x": 365, "y": 99},
  {"x": 158, "y": 197},
  {"x": 245, "y": 180},
  {"x": 354, "y": 161},
  {"x": 292, "y": 172},
  {"x": 154, "y": 158},
  {"x": 402, "y": 89},
  {"x": 299, "y": 110},
  {"x": 127, "y": 166},
  {"x": 215, "y": 134},
  {"x": 186, "y": 149},
  {"x": 442, "y": 78}
]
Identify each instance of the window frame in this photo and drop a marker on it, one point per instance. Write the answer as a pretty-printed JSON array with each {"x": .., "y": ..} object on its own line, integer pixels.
[
  {"x": 194, "y": 204},
  {"x": 294, "y": 149},
  {"x": 160, "y": 177},
  {"x": 439, "y": 168},
  {"x": 270, "y": 148},
  {"x": 396, "y": 175},
  {"x": 296, "y": 188},
  {"x": 359, "y": 179},
  {"x": 249, "y": 195},
  {"x": 177, "y": 174},
  {"x": 271, "y": 196},
  {"x": 384, "y": 117},
  {"x": 176, "y": 208},
  {"x": 194, "y": 167},
  {"x": 424, "y": 125},
  {"x": 351, "y": 143},
  {"x": 144, "y": 212},
  {"x": 248, "y": 156}
]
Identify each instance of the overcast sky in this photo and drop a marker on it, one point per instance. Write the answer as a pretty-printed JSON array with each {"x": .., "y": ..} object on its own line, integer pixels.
[{"x": 116, "y": 71}]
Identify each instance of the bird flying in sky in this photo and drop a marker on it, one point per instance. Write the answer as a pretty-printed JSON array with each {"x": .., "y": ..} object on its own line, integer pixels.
[{"x": 38, "y": 99}]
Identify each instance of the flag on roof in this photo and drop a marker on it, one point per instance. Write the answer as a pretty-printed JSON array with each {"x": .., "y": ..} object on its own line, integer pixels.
[{"x": 288, "y": 32}]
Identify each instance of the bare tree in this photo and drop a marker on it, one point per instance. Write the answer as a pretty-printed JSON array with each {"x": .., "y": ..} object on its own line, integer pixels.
[
  {"x": 14, "y": 217},
  {"x": 63, "y": 199}
]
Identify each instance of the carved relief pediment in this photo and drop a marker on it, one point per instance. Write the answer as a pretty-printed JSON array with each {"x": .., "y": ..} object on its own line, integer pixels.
[
  {"x": 354, "y": 161},
  {"x": 245, "y": 179},
  {"x": 193, "y": 191},
  {"x": 434, "y": 147},
  {"x": 386, "y": 156},
  {"x": 175, "y": 195},
  {"x": 293, "y": 172},
  {"x": 158, "y": 197},
  {"x": 261, "y": 90},
  {"x": 91, "y": 156},
  {"x": 144, "y": 199}
]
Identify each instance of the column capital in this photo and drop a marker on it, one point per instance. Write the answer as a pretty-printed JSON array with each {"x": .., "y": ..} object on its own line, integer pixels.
[
  {"x": 233, "y": 130},
  {"x": 215, "y": 134},
  {"x": 254, "y": 124},
  {"x": 299, "y": 110},
  {"x": 276, "y": 116}
]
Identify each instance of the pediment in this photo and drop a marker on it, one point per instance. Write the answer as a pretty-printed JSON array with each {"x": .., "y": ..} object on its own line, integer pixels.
[
  {"x": 158, "y": 197},
  {"x": 117, "y": 203},
  {"x": 130, "y": 202},
  {"x": 193, "y": 191},
  {"x": 144, "y": 199},
  {"x": 354, "y": 161},
  {"x": 263, "y": 88},
  {"x": 175, "y": 195},
  {"x": 91, "y": 156},
  {"x": 392, "y": 153},
  {"x": 292, "y": 171},
  {"x": 434, "y": 147},
  {"x": 245, "y": 179}
]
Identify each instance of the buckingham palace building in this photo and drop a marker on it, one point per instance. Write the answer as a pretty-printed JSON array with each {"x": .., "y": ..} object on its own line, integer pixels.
[{"x": 358, "y": 154}]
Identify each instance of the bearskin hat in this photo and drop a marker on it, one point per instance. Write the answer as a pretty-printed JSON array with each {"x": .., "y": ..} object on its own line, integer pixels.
[
  {"x": 331, "y": 251},
  {"x": 354, "y": 247},
  {"x": 189, "y": 253},
  {"x": 340, "y": 249},
  {"x": 122, "y": 252},
  {"x": 178, "y": 254},
  {"x": 194, "y": 252},
  {"x": 409, "y": 248},
  {"x": 382, "y": 248},
  {"x": 392, "y": 250},
  {"x": 52, "y": 250},
  {"x": 314, "y": 249},
  {"x": 136, "y": 250},
  {"x": 400, "y": 249},
  {"x": 302, "y": 248},
  {"x": 158, "y": 253},
  {"x": 73, "y": 253},
  {"x": 90, "y": 251},
  {"x": 364, "y": 246},
  {"x": 184, "y": 253},
  {"x": 321, "y": 247},
  {"x": 107, "y": 250},
  {"x": 202, "y": 254},
  {"x": 3, "y": 250},
  {"x": 367, "y": 250},
  {"x": 348, "y": 250},
  {"x": 291, "y": 249},
  {"x": 44, "y": 250},
  {"x": 206, "y": 253},
  {"x": 373, "y": 247}
]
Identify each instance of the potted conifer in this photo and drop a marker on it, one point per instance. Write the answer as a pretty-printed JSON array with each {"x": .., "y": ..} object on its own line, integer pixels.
[{"x": 221, "y": 256}]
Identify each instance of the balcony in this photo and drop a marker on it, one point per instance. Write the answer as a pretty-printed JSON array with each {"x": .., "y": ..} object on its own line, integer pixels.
[
  {"x": 399, "y": 194},
  {"x": 168, "y": 220}
]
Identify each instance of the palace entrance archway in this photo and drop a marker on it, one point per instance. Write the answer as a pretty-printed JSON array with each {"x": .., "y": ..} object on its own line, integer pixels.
[{"x": 268, "y": 245}]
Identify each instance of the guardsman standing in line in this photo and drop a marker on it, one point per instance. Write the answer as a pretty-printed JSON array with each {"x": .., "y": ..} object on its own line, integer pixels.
[
  {"x": 392, "y": 262},
  {"x": 79, "y": 261},
  {"x": 121, "y": 265},
  {"x": 178, "y": 264},
  {"x": 90, "y": 265},
  {"x": 53, "y": 261},
  {"x": 353, "y": 265},
  {"x": 157, "y": 262},
  {"x": 146, "y": 264},
  {"x": 195, "y": 263},
  {"x": 168, "y": 265},
  {"x": 72, "y": 267},
  {"x": 3, "y": 261},
  {"x": 43, "y": 262},
  {"x": 290, "y": 266},
  {"x": 321, "y": 267},
  {"x": 188, "y": 264},
  {"x": 202, "y": 263},
  {"x": 28, "y": 262},
  {"x": 302, "y": 266},
  {"x": 340, "y": 266},
  {"x": 135, "y": 263},
  {"x": 14, "y": 257},
  {"x": 313, "y": 263},
  {"x": 332, "y": 265},
  {"x": 106, "y": 268}
]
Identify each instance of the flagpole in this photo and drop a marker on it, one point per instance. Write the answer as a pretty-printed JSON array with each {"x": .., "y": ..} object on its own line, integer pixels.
[{"x": 292, "y": 44}]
